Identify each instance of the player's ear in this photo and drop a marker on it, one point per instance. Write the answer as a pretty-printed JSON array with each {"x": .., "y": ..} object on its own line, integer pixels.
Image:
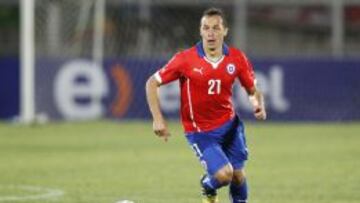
[
  {"x": 226, "y": 30},
  {"x": 201, "y": 22}
]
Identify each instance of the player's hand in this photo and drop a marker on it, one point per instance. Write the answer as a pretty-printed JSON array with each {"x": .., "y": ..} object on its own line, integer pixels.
[
  {"x": 259, "y": 113},
  {"x": 257, "y": 101},
  {"x": 161, "y": 130}
]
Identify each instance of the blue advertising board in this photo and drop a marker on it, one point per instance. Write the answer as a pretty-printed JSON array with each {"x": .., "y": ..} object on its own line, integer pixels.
[
  {"x": 295, "y": 89},
  {"x": 9, "y": 87}
]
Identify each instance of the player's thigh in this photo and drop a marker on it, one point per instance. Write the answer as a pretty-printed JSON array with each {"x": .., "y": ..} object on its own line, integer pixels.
[
  {"x": 236, "y": 148},
  {"x": 209, "y": 153}
]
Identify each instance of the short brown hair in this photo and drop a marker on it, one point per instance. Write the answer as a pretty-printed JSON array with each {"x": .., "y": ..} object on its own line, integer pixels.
[{"x": 216, "y": 12}]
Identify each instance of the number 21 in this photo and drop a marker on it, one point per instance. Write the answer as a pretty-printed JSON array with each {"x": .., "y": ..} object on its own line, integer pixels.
[{"x": 214, "y": 86}]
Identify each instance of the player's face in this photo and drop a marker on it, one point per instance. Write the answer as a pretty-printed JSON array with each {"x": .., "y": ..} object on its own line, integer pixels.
[{"x": 212, "y": 32}]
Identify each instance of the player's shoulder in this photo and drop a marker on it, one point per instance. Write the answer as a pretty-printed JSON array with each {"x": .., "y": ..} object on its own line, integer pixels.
[
  {"x": 189, "y": 52},
  {"x": 238, "y": 55}
]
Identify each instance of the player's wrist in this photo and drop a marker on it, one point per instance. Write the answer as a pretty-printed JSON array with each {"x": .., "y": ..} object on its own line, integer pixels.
[
  {"x": 158, "y": 118},
  {"x": 255, "y": 102}
]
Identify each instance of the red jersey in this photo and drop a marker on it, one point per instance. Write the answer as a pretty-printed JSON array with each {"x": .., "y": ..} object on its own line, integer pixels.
[{"x": 206, "y": 87}]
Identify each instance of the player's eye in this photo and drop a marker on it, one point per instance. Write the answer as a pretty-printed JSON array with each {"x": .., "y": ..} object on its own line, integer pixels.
[
  {"x": 216, "y": 28},
  {"x": 205, "y": 27}
]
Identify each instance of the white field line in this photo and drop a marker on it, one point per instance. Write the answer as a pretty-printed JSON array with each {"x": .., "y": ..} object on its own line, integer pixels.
[{"x": 44, "y": 193}]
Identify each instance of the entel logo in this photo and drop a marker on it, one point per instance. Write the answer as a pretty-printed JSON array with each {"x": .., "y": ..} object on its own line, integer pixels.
[{"x": 81, "y": 85}]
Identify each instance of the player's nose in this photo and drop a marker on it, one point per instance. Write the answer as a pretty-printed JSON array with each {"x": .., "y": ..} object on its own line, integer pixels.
[{"x": 211, "y": 35}]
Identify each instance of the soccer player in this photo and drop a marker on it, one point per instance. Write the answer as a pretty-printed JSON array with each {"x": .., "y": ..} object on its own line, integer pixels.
[{"x": 207, "y": 73}]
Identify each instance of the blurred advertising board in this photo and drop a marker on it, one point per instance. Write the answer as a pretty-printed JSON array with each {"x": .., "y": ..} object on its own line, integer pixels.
[{"x": 295, "y": 89}]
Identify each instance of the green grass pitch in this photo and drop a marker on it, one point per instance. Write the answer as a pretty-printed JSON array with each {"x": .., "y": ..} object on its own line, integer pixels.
[{"x": 106, "y": 161}]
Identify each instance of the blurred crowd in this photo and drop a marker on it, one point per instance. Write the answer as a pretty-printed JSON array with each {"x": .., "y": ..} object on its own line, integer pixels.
[{"x": 272, "y": 30}]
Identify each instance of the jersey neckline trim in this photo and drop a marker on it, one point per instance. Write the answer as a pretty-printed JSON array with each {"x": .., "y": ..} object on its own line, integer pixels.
[
  {"x": 201, "y": 52},
  {"x": 214, "y": 64}
]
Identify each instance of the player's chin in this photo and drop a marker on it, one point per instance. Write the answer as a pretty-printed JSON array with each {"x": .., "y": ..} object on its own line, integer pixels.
[{"x": 211, "y": 45}]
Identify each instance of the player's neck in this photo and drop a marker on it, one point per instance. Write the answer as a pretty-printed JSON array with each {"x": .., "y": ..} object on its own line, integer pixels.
[{"x": 213, "y": 54}]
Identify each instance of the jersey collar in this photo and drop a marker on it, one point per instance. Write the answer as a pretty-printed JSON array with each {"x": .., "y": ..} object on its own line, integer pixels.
[{"x": 201, "y": 52}]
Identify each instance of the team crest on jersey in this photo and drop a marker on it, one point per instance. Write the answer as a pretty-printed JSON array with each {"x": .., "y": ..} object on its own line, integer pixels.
[{"x": 230, "y": 68}]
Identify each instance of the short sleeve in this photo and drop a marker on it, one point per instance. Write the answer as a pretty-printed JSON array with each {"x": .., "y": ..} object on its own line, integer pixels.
[
  {"x": 171, "y": 71},
  {"x": 246, "y": 74}
]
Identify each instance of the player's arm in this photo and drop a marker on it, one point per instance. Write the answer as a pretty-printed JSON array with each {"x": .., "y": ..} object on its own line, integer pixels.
[
  {"x": 247, "y": 79},
  {"x": 256, "y": 99},
  {"x": 170, "y": 72},
  {"x": 159, "y": 124}
]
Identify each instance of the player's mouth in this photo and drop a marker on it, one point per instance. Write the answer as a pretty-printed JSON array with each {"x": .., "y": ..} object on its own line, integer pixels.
[{"x": 211, "y": 41}]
